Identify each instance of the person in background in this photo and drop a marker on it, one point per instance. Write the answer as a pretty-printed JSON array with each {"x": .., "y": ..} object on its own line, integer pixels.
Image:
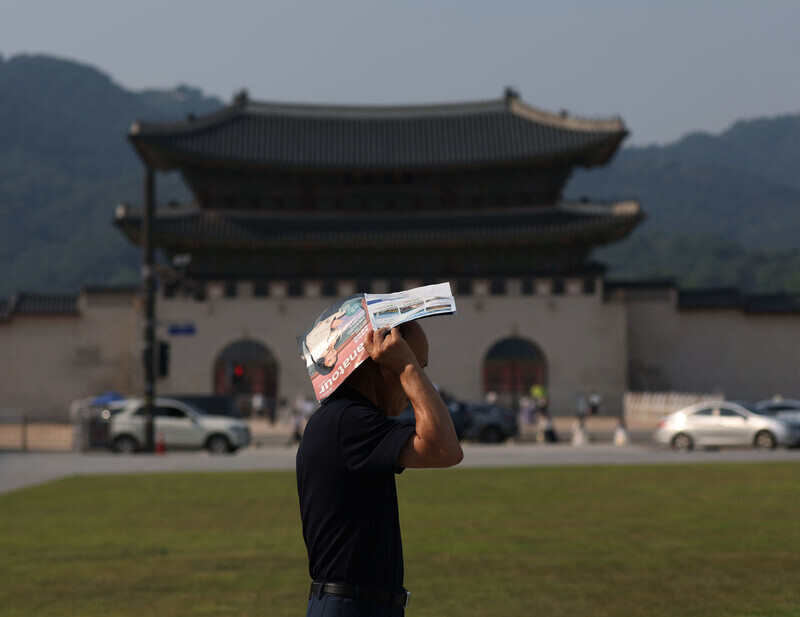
[{"x": 594, "y": 403}]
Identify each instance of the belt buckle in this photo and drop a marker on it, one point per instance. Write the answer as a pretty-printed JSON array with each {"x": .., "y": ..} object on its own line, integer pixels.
[{"x": 408, "y": 597}]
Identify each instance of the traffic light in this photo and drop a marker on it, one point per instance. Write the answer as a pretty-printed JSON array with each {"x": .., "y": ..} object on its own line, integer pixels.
[
  {"x": 163, "y": 359},
  {"x": 237, "y": 376}
]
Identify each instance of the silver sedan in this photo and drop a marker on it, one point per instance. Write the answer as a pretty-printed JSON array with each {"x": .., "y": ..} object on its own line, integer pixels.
[{"x": 725, "y": 423}]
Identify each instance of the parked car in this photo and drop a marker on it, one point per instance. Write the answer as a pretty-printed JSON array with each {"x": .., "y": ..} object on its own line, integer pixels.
[
  {"x": 460, "y": 417},
  {"x": 475, "y": 421},
  {"x": 114, "y": 408},
  {"x": 783, "y": 409},
  {"x": 490, "y": 423},
  {"x": 214, "y": 405},
  {"x": 725, "y": 423},
  {"x": 182, "y": 425}
]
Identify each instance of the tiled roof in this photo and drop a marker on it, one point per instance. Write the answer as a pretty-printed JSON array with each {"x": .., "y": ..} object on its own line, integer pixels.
[
  {"x": 710, "y": 298},
  {"x": 331, "y": 137},
  {"x": 33, "y": 304},
  {"x": 731, "y": 298},
  {"x": 123, "y": 290},
  {"x": 316, "y": 229},
  {"x": 658, "y": 290},
  {"x": 772, "y": 303},
  {"x": 614, "y": 285},
  {"x": 46, "y": 304}
]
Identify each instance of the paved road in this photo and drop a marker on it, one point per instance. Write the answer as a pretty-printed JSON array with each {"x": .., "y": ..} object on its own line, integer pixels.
[{"x": 21, "y": 469}]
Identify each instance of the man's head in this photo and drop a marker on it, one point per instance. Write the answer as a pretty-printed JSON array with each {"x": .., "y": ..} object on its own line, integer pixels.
[
  {"x": 414, "y": 335},
  {"x": 382, "y": 385}
]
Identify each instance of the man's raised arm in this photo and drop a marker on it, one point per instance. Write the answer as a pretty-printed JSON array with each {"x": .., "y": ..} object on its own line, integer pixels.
[{"x": 434, "y": 443}]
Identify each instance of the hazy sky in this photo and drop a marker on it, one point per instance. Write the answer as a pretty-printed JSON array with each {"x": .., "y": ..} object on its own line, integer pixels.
[{"x": 666, "y": 67}]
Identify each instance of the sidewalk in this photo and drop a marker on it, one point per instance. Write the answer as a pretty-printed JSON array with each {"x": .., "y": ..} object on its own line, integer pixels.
[
  {"x": 266, "y": 434},
  {"x": 600, "y": 429},
  {"x": 42, "y": 437}
]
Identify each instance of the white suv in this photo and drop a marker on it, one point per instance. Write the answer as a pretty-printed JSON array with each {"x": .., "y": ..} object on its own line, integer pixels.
[{"x": 180, "y": 424}]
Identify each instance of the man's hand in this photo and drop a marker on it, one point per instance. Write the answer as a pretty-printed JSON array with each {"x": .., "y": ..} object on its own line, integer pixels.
[{"x": 389, "y": 349}]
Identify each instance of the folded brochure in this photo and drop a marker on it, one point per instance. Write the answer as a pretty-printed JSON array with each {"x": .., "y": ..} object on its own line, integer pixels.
[{"x": 334, "y": 346}]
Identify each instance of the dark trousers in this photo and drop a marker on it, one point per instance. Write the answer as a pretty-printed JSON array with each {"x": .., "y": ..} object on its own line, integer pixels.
[{"x": 333, "y": 606}]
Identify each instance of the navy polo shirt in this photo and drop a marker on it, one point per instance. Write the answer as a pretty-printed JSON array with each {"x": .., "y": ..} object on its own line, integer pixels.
[{"x": 346, "y": 466}]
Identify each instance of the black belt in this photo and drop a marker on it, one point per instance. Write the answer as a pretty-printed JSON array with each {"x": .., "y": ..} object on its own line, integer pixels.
[{"x": 368, "y": 594}]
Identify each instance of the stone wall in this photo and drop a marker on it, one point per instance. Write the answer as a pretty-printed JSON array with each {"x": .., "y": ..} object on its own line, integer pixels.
[
  {"x": 583, "y": 338},
  {"x": 747, "y": 356},
  {"x": 47, "y": 361},
  {"x": 637, "y": 340}
]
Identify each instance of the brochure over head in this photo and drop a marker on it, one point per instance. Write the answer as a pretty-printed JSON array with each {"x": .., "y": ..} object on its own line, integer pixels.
[{"x": 334, "y": 346}]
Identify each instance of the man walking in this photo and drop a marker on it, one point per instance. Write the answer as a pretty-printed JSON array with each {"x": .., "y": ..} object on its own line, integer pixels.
[{"x": 346, "y": 463}]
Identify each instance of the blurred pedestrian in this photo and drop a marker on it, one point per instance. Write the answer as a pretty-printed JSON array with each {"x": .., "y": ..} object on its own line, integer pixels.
[
  {"x": 545, "y": 429},
  {"x": 297, "y": 427},
  {"x": 594, "y": 403},
  {"x": 539, "y": 394},
  {"x": 257, "y": 404},
  {"x": 527, "y": 408}
]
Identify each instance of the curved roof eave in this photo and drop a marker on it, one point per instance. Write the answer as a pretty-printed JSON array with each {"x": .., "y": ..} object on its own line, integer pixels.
[
  {"x": 512, "y": 105},
  {"x": 504, "y": 131},
  {"x": 169, "y": 160},
  {"x": 603, "y": 222}
]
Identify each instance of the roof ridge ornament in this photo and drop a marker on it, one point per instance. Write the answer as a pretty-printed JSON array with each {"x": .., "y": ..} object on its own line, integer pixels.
[
  {"x": 241, "y": 97},
  {"x": 510, "y": 94}
]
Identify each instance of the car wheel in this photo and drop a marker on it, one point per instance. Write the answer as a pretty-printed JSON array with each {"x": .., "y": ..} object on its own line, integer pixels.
[
  {"x": 492, "y": 434},
  {"x": 682, "y": 443},
  {"x": 764, "y": 441},
  {"x": 125, "y": 444},
  {"x": 218, "y": 444}
]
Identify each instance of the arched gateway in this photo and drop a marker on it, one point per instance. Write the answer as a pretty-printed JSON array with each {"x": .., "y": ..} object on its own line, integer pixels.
[
  {"x": 245, "y": 368},
  {"x": 511, "y": 367}
]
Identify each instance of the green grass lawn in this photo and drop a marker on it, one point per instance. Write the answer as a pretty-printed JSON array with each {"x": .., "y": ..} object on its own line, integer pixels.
[{"x": 705, "y": 540}]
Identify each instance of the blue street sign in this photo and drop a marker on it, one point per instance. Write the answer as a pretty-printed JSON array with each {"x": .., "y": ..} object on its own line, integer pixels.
[{"x": 182, "y": 329}]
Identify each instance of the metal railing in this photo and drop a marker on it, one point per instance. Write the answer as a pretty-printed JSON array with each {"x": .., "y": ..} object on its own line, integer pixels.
[
  {"x": 652, "y": 406},
  {"x": 22, "y": 432}
]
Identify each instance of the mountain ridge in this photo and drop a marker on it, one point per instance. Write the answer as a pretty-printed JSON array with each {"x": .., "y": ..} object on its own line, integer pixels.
[{"x": 65, "y": 163}]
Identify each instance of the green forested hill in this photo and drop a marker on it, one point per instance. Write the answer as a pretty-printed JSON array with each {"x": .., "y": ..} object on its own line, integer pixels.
[
  {"x": 722, "y": 209},
  {"x": 737, "y": 185},
  {"x": 64, "y": 165}
]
